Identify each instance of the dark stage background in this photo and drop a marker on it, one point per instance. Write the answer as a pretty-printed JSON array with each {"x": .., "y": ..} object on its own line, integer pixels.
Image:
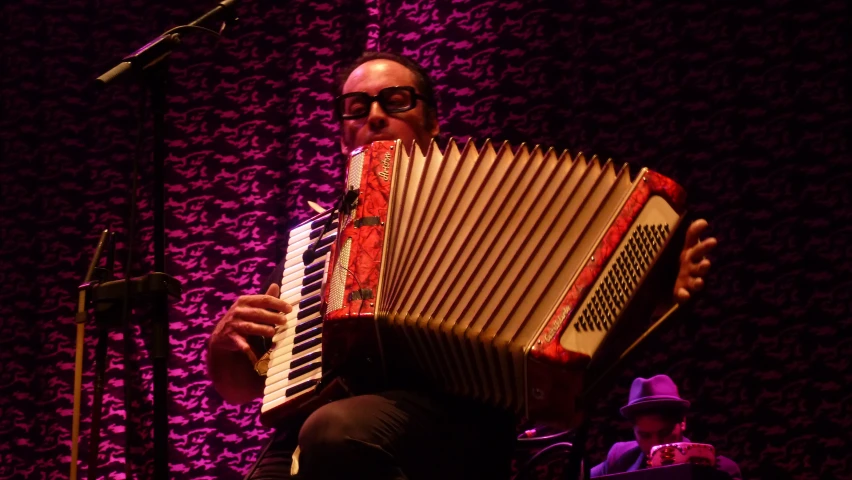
[{"x": 745, "y": 103}]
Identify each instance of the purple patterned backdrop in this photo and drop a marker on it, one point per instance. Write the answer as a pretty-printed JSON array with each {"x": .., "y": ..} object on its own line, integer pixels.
[{"x": 744, "y": 103}]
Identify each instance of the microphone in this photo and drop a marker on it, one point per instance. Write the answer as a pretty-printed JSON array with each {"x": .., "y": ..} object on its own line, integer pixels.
[{"x": 224, "y": 12}]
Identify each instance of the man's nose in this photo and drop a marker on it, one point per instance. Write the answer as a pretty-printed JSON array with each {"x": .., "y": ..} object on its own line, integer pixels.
[{"x": 377, "y": 118}]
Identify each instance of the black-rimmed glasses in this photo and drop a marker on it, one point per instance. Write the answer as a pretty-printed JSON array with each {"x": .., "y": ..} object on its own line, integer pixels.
[{"x": 392, "y": 100}]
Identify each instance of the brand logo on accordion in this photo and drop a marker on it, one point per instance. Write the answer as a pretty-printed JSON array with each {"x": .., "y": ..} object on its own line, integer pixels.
[
  {"x": 385, "y": 173},
  {"x": 554, "y": 327}
]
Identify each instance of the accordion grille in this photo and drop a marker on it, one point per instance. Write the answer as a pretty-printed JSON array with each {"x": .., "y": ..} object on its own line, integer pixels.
[
  {"x": 356, "y": 167},
  {"x": 619, "y": 283},
  {"x": 337, "y": 287}
]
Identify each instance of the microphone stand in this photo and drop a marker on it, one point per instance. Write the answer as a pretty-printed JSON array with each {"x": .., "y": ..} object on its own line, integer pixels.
[
  {"x": 160, "y": 325},
  {"x": 149, "y": 65}
]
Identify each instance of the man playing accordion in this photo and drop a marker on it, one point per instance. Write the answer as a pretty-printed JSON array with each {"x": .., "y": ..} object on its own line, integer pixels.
[{"x": 409, "y": 431}]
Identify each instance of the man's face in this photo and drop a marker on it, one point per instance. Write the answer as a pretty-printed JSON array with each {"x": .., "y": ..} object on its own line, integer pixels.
[
  {"x": 370, "y": 77},
  {"x": 653, "y": 429}
]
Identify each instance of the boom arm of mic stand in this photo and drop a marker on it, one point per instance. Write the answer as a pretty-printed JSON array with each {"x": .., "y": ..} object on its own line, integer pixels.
[
  {"x": 148, "y": 55},
  {"x": 80, "y": 319}
]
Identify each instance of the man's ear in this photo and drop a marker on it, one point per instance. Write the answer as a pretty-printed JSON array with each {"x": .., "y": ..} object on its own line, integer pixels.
[
  {"x": 436, "y": 129},
  {"x": 343, "y": 147}
]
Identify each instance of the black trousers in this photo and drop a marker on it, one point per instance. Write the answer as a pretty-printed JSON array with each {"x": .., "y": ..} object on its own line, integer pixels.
[{"x": 394, "y": 435}]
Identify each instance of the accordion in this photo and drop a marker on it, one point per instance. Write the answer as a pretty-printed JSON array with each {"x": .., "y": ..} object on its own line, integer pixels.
[{"x": 497, "y": 273}]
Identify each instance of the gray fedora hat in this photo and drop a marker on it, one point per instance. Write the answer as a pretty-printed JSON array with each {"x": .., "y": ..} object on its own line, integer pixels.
[{"x": 653, "y": 393}]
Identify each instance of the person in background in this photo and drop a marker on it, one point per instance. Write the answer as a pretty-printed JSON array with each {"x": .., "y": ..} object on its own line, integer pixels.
[{"x": 658, "y": 415}]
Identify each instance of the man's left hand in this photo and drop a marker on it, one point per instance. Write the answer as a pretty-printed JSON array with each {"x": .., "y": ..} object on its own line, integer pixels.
[{"x": 694, "y": 263}]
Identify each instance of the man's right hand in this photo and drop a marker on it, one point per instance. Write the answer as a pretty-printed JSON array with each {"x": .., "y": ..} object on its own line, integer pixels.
[
  {"x": 249, "y": 315},
  {"x": 232, "y": 376}
]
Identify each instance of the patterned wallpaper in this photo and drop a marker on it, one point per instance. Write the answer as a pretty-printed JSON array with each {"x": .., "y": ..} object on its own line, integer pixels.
[{"x": 746, "y": 104}]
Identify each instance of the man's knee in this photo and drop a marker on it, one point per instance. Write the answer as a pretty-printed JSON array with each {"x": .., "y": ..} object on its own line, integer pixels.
[
  {"x": 343, "y": 437},
  {"x": 328, "y": 428}
]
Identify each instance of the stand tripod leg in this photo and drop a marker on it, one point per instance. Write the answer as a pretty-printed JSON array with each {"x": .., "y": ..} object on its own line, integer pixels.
[
  {"x": 578, "y": 468},
  {"x": 159, "y": 356},
  {"x": 97, "y": 402},
  {"x": 78, "y": 383},
  {"x": 128, "y": 394}
]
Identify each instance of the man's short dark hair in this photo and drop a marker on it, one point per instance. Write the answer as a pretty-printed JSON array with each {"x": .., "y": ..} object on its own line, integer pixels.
[{"x": 423, "y": 82}]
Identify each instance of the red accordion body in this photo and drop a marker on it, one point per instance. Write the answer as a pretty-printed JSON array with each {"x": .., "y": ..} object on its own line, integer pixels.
[{"x": 501, "y": 273}]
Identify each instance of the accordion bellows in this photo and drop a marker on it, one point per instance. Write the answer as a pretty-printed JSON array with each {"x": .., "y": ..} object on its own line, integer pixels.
[{"x": 497, "y": 272}]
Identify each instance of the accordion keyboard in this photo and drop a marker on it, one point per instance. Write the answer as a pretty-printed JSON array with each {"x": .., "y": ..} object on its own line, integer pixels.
[{"x": 295, "y": 362}]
